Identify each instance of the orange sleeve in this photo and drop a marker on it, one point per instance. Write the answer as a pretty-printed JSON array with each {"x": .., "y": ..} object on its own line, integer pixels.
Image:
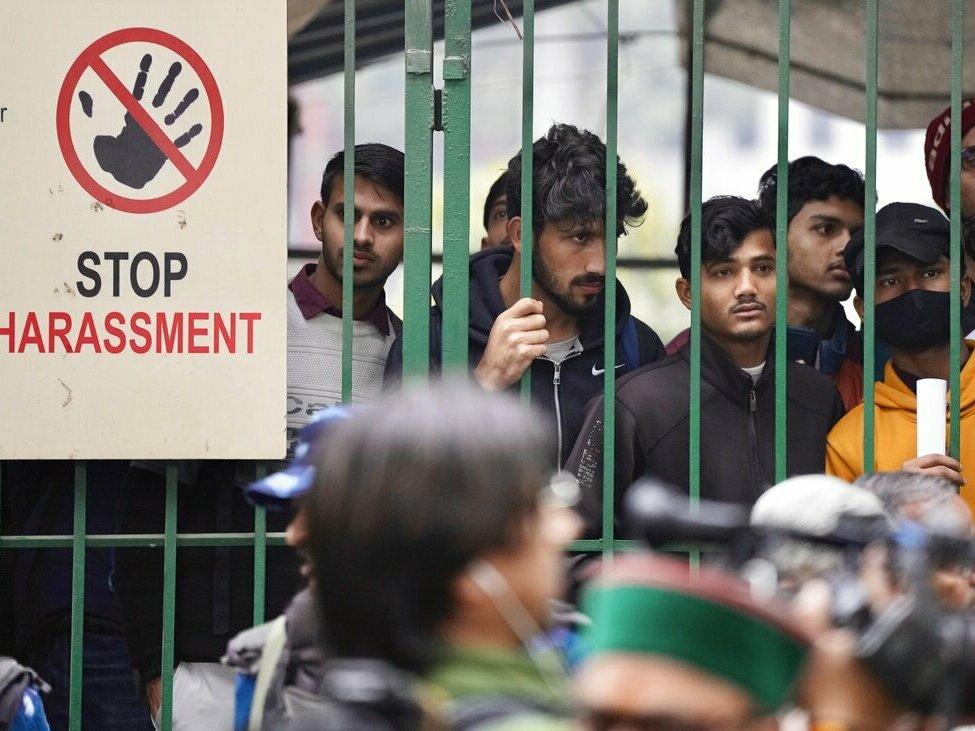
[
  {"x": 844, "y": 446},
  {"x": 837, "y": 465}
]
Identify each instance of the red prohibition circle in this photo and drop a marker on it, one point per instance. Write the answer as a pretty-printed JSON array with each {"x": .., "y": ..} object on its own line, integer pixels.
[{"x": 92, "y": 54}]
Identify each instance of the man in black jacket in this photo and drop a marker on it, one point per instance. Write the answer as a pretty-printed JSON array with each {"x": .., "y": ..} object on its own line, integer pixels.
[
  {"x": 558, "y": 332},
  {"x": 738, "y": 381}
]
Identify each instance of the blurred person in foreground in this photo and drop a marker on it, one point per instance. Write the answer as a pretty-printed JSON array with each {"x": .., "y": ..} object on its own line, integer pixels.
[
  {"x": 918, "y": 497},
  {"x": 934, "y": 503},
  {"x": 672, "y": 649},
  {"x": 557, "y": 333},
  {"x": 810, "y": 505},
  {"x": 284, "y": 655},
  {"x": 435, "y": 536},
  {"x": 737, "y": 386},
  {"x": 853, "y": 568},
  {"x": 21, "y": 705},
  {"x": 912, "y": 306},
  {"x": 496, "y": 213},
  {"x": 837, "y": 691}
]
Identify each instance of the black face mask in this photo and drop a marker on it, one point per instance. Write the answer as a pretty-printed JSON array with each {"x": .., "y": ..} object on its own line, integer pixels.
[{"x": 915, "y": 320}]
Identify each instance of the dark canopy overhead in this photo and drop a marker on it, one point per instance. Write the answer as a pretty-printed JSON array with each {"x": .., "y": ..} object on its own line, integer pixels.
[
  {"x": 317, "y": 49},
  {"x": 828, "y": 53}
]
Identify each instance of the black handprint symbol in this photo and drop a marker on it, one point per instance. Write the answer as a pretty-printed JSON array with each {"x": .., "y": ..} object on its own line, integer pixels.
[{"x": 132, "y": 158}]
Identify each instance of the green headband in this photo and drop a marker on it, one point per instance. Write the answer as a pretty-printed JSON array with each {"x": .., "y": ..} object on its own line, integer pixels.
[{"x": 718, "y": 639}]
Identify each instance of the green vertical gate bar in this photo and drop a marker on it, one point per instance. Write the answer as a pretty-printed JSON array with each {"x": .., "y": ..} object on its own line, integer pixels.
[
  {"x": 609, "y": 324},
  {"x": 76, "y": 663},
  {"x": 527, "y": 168},
  {"x": 782, "y": 247},
  {"x": 348, "y": 207},
  {"x": 419, "y": 196},
  {"x": 697, "y": 149},
  {"x": 456, "y": 180},
  {"x": 260, "y": 550},
  {"x": 954, "y": 378},
  {"x": 869, "y": 235},
  {"x": 169, "y": 600}
]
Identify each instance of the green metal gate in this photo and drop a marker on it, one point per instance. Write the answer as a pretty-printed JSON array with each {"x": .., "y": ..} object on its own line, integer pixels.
[{"x": 421, "y": 101}]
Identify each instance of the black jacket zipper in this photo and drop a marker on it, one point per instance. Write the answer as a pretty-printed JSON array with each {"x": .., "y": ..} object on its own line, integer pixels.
[
  {"x": 754, "y": 458},
  {"x": 556, "y": 381}
]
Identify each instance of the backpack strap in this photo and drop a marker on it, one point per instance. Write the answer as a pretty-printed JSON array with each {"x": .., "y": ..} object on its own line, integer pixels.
[
  {"x": 630, "y": 344},
  {"x": 273, "y": 647},
  {"x": 15, "y": 681}
]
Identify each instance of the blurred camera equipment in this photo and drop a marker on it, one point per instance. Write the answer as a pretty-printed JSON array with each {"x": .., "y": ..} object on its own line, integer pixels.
[{"x": 922, "y": 653}]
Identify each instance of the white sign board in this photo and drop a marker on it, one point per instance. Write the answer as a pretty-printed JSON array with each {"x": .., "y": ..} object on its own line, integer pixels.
[{"x": 143, "y": 229}]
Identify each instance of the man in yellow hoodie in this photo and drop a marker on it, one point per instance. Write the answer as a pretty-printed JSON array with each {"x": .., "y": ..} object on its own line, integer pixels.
[{"x": 912, "y": 317}]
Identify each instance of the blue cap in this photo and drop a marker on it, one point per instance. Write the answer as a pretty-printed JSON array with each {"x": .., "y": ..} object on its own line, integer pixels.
[{"x": 277, "y": 489}]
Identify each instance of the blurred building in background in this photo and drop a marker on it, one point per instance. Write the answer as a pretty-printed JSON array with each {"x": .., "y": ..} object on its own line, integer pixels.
[{"x": 740, "y": 131}]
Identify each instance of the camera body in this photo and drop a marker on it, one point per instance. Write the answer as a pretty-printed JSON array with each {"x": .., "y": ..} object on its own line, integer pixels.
[{"x": 922, "y": 652}]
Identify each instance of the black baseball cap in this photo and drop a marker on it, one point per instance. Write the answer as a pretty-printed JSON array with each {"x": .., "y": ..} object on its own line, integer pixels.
[{"x": 919, "y": 232}]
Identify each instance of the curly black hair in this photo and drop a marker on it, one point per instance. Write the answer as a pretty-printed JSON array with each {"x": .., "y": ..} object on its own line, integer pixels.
[
  {"x": 569, "y": 182},
  {"x": 811, "y": 179}
]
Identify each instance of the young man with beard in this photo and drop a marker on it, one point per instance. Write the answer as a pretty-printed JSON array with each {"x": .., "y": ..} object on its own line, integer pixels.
[
  {"x": 215, "y": 585},
  {"x": 825, "y": 205},
  {"x": 912, "y": 304},
  {"x": 557, "y": 333},
  {"x": 738, "y": 381}
]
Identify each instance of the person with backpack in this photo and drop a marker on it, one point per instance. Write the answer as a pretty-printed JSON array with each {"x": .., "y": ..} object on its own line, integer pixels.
[
  {"x": 557, "y": 333},
  {"x": 737, "y": 418},
  {"x": 21, "y": 705},
  {"x": 282, "y": 660},
  {"x": 435, "y": 537}
]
